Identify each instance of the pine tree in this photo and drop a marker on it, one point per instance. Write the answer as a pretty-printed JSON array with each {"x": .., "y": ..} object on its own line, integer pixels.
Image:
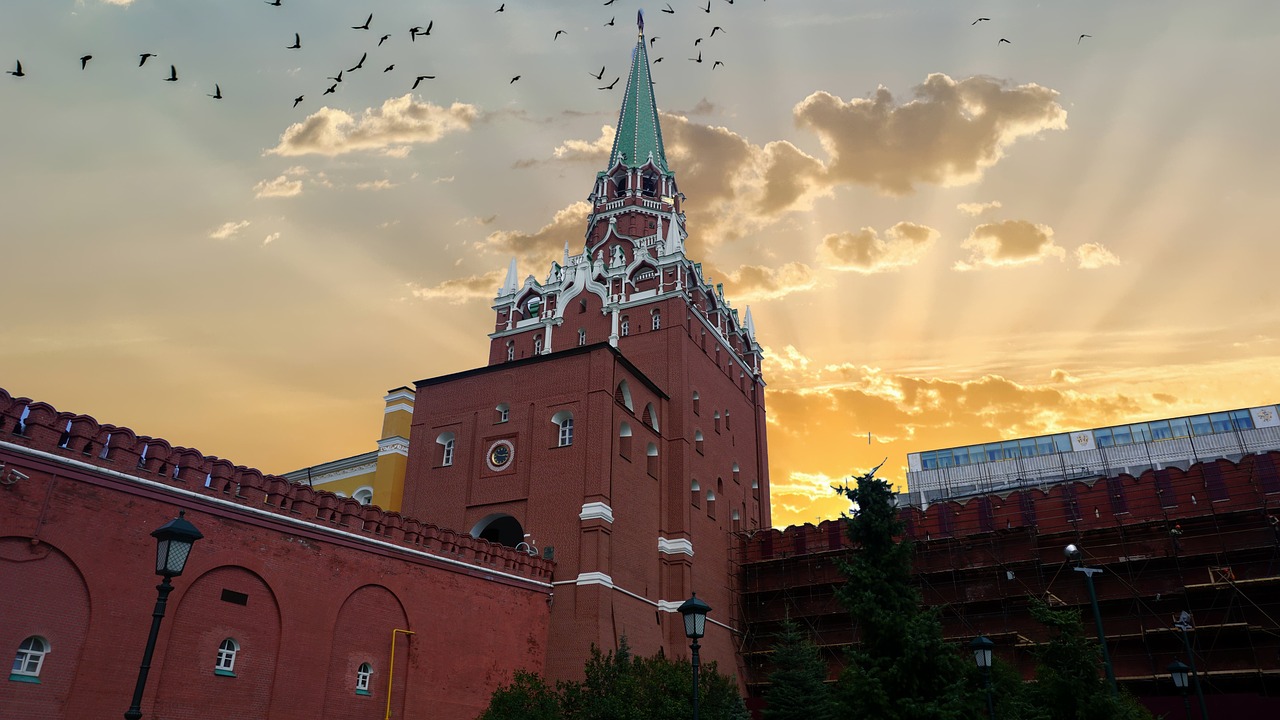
[
  {"x": 900, "y": 668},
  {"x": 797, "y": 685}
]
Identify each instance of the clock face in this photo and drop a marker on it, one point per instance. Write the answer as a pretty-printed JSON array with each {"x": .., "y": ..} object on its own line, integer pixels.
[{"x": 500, "y": 454}]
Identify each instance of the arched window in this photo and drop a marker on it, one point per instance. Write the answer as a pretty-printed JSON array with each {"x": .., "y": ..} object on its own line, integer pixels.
[
  {"x": 695, "y": 494},
  {"x": 624, "y": 328},
  {"x": 657, "y": 319},
  {"x": 624, "y": 441},
  {"x": 736, "y": 519},
  {"x": 446, "y": 441},
  {"x": 736, "y": 473},
  {"x": 695, "y": 402},
  {"x": 364, "y": 495},
  {"x": 582, "y": 306},
  {"x": 226, "y": 664},
  {"x": 362, "y": 678},
  {"x": 563, "y": 421},
  {"x": 652, "y": 453},
  {"x": 537, "y": 344},
  {"x": 511, "y": 350},
  {"x": 717, "y": 421},
  {"x": 711, "y": 503},
  {"x": 504, "y": 412},
  {"x": 622, "y": 396},
  {"x": 651, "y": 417},
  {"x": 755, "y": 489},
  {"x": 698, "y": 441},
  {"x": 726, "y": 419},
  {"x": 582, "y": 337},
  {"x": 30, "y": 657}
]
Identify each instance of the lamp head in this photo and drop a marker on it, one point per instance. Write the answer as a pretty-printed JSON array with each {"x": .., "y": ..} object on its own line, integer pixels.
[
  {"x": 1072, "y": 552},
  {"x": 173, "y": 545},
  {"x": 981, "y": 647},
  {"x": 695, "y": 617},
  {"x": 1178, "y": 671}
]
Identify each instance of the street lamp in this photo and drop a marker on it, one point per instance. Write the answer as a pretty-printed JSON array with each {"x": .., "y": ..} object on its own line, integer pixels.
[
  {"x": 981, "y": 647},
  {"x": 1184, "y": 624},
  {"x": 1178, "y": 671},
  {"x": 1073, "y": 553},
  {"x": 173, "y": 546},
  {"x": 695, "y": 625}
]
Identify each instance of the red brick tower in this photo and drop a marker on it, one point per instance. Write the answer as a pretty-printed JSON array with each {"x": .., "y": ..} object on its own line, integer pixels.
[{"x": 619, "y": 424}]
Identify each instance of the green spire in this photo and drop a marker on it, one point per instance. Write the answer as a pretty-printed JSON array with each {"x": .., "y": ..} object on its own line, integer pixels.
[{"x": 639, "y": 135}]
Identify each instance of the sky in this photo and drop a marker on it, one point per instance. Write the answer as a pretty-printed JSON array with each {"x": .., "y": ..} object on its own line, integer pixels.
[{"x": 944, "y": 238}]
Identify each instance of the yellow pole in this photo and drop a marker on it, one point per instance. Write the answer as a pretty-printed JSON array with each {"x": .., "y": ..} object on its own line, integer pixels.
[{"x": 391, "y": 667}]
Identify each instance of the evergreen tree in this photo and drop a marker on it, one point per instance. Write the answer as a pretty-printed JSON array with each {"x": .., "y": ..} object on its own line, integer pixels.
[
  {"x": 797, "y": 685},
  {"x": 528, "y": 697},
  {"x": 900, "y": 668}
]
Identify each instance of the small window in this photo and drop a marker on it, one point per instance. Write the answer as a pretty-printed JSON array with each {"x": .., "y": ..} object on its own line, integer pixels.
[
  {"x": 657, "y": 319},
  {"x": 504, "y": 412},
  {"x": 1242, "y": 419},
  {"x": 695, "y": 494},
  {"x": 446, "y": 442},
  {"x": 736, "y": 473},
  {"x": 698, "y": 441},
  {"x": 582, "y": 306},
  {"x": 650, "y": 417},
  {"x": 652, "y": 463},
  {"x": 582, "y": 337},
  {"x": 625, "y": 327},
  {"x": 362, "y": 678},
  {"x": 726, "y": 419},
  {"x": 716, "y": 417},
  {"x": 624, "y": 440},
  {"x": 711, "y": 503},
  {"x": 364, "y": 496},
  {"x": 563, "y": 421},
  {"x": 622, "y": 395},
  {"x": 537, "y": 344},
  {"x": 511, "y": 350},
  {"x": 30, "y": 658},
  {"x": 226, "y": 664},
  {"x": 695, "y": 402}
]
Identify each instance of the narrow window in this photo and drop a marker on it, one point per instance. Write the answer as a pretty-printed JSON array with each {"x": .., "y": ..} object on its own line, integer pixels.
[
  {"x": 697, "y": 441},
  {"x": 362, "y": 678},
  {"x": 736, "y": 474},
  {"x": 446, "y": 442},
  {"x": 563, "y": 421},
  {"x": 726, "y": 419},
  {"x": 29, "y": 660},
  {"x": 736, "y": 517},
  {"x": 624, "y": 441},
  {"x": 582, "y": 306},
  {"x": 695, "y": 494},
  {"x": 695, "y": 402},
  {"x": 511, "y": 350},
  {"x": 537, "y": 344},
  {"x": 504, "y": 412},
  {"x": 582, "y": 337},
  {"x": 651, "y": 417},
  {"x": 657, "y": 319},
  {"x": 652, "y": 453},
  {"x": 625, "y": 327},
  {"x": 622, "y": 395},
  {"x": 711, "y": 504},
  {"x": 226, "y": 664},
  {"x": 716, "y": 418}
]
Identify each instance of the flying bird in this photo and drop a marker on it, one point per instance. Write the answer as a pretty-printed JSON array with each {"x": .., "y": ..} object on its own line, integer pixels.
[
  {"x": 610, "y": 23},
  {"x": 142, "y": 58},
  {"x": 699, "y": 58},
  {"x": 389, "y": 68},
  {"x": 276, "y": 3},
  {"x": 298, "y": 100},
  {"x": 697, "y": 42},
  {"x": 610, "y": 3},
  {"x": 18, "y": 72},
  {"x": 714, "y": 29},
  {"x": 332, "y": 89},
  {"x": 420, "y": 78},
  {"x": 338, "y": 78},
  {"x": 657, "y": 61},
  {"x": 599, "y": 75},
  {"x": 217, "y": 92},
  {"x": 383, "y": 39},
  {"x": 359, "y": 64},
  {"x": 501, "y": 7},
  {"x": 558, "y": 34},
  {"x": 84, "y": 61},
  {"x": 1002, "y": 40},
  {"x": 365, "y": 26},
  {"x": 707, "y": 9},
  {"x": 297, "y": 42},
  {"x": 1082, "y": 37},
  {"x": 514, "y": 79},
  {"x": 716, "y": 64},
  {"x": 668, "y": 10},
  {"x": 610, "y": 85},
  {"x": 653, "y": 40},
  {"x": 173, "y": 74},
  {"x": 975, "y": 22}
]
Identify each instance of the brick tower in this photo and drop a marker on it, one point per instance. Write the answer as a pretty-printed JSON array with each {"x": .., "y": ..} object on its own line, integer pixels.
[{"x": 619, "y": 425}]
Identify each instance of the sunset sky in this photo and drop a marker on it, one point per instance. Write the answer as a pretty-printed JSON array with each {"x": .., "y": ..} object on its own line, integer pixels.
[{"x": 943, "y": 238}]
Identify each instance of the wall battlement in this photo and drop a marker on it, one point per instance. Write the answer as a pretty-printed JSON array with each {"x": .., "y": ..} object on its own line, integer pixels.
[{"x": 40, "y": 427}]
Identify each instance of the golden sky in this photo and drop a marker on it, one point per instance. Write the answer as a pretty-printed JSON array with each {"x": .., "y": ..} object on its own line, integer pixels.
[{"x": 944, "y": 239}]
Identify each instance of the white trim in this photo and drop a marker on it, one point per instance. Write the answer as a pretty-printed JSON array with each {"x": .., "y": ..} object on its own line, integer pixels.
[
  {"x": 400, "y": 395},
  {"x": 393, "y": 445},
  {"x": 594, "y": 578},
  {"x": 596, "y": 511},
  {"x": 398, "y": 406},
  {"x": 677, "y": 546},
  {"x": 297, "y": 522},
  {"x": 337, "y": 475},
  {"x": 599, "y": 578}
]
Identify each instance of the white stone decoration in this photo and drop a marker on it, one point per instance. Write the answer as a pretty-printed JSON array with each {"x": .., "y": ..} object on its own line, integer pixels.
[
  {"x": 596, "y": 511},
  {"x": 678, "y": 546}
]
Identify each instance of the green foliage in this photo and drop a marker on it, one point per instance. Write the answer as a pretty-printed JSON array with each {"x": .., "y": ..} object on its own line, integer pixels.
[
  {"x": 619, "y": 686},
  {"x": 797, "y": 685},
  {"x": 901, "y": 669}
]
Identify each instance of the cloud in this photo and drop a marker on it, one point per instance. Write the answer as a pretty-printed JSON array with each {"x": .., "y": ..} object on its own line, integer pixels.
[
  {"x": 399, "y": 122},
  {"x": 586, "y": 150},
  {"x": 1060, "y": 375},
  {"x": 975, "y": 209},
  {"x": 282, "y": 186},
  {"x": 271, "y": 238},
  {"x": 228, "y": 230},
  {"x": 488, "y": 220},
  {"x": 1009, "y": 242},
  {"x": 376, "y": 185},
  {"x": 459, "y": 290},
  {"x": 547, "y": 242},
  {"x": 866, "y": 252},
  {"x": 1092, "y": 256},
  {"x": 445, "y": 179},
  {"x": 948, "y": 134},
  {"x": 398, "y": 152},
  {"x": 756, "y": 282}
]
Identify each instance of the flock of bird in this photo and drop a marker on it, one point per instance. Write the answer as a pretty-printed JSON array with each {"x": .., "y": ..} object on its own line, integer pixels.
[{"x": 1005, "y": 41}]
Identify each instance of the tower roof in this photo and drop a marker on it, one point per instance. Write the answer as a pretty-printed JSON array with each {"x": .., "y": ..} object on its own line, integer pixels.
[{"x": 639, "y": 136}]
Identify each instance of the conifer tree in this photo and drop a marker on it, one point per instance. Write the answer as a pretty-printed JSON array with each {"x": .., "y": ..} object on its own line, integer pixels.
[{"x": 797, "y": 685}]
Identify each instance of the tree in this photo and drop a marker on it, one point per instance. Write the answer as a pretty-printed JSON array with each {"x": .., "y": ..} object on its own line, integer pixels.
[
  {"x": 797, "y": 685},
  {"x": 528, "y": 696},
  {"x": 900, "y": 668}
]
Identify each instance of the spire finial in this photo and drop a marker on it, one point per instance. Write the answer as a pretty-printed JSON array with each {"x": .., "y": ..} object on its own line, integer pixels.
[{"x": 640, "y": 20}]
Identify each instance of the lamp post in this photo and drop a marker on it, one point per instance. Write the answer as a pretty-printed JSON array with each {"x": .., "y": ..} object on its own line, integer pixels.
[
  {"x": 173, "y": 546},
  {"x": 1178, "y": 671},
  {"x": 981, "y": 647},
  {"x": 1073, "y": 553},
  {"x": 1184, "y": 624},
  {"x": 695, "y": 625}
]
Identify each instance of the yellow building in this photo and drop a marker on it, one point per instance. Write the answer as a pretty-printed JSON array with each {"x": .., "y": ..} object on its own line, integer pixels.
[{"x": 375, "y": 477}]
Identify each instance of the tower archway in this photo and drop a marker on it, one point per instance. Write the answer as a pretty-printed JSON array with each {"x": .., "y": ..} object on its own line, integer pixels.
[{"x": 499, "y": 528}]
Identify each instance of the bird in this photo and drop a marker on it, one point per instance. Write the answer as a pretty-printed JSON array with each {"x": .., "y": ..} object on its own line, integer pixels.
[
  {"x": 610, "y": 2},
  {"x": 658, "y": 60},
  {"x": 18, "y": 72},
  {"x": 697, "y": 42},
  {"x": 383, "y": 39},
  {"x": 430, "y": 24},
  {"x": 975, "y": 22},
  {"x": 217, "y": 92},
  {"x": 697, "y": 59},
  {"x": 173, "y": 74},
  {"x": 1002, "y": 40},
  {"x": 558, "y": 34},
  {"x": 653, "y": 40},
  {"x": 1082, "y": 37},
  {"x": 714, "y": 29},
  {"x": 707, "y": 9},
  {"x": 297, "y": 42},
  {"x": 389, "y": 68},
  {"x": 142, "y": 58},
  {"x": 420, "y": 78},
  {"x": 338, "y": 78},
  {"x": 716, "y": 64},
  {"x": 610, "y": 23},
  {"x": 276, "y": 3},
  {"x": 298, "y": 100},
  {"x": 365, "y": 26},
  {"x": 359, "y": 64},
  {"x": 514, "y": 79},
  {"x": 610, "y": 85},
  {"x": 84, "y": 61},
  {"x": 668, "y": 10},
  {"x": 332, "y": 89},
  {"x": 501, "y": 7},
  {"x": 599, "y": 75}
]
